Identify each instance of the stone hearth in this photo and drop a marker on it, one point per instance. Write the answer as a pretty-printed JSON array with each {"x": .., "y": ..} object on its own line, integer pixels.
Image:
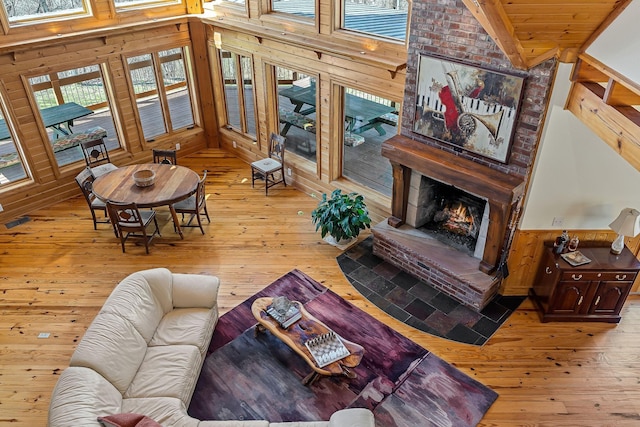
[{"x": 438, "y": 264}]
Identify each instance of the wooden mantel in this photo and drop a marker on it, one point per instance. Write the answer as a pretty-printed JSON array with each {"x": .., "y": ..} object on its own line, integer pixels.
[{"x": 501, "y": 191}]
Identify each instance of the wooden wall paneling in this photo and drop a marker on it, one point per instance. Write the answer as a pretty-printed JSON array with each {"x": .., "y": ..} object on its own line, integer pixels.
[
  {"x": 194, "y": 6},
  {"x": 202, "y": 85},
  {"x": 218, "y": 93},
  {"x": 266, "y": 102}
]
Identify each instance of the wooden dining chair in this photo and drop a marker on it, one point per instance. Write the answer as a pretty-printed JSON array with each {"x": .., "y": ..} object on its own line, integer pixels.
[
  {"x": 97, "y": 158},
  {"x": 132, "y": 222},
  {"x": 167, "y": 157},
  {"x": 271, "y": 169},
  {"x": 85, "y": 181},
  {"x": 195, "y": 205}
]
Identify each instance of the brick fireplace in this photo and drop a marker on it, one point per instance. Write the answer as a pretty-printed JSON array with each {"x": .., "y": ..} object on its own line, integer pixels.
[
  {"x": 447, "y": 28},
  {"x": 467, "y": 277}
]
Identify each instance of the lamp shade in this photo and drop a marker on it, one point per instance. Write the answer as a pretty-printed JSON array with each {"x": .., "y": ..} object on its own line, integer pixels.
[{"x": 627, "y": 223}]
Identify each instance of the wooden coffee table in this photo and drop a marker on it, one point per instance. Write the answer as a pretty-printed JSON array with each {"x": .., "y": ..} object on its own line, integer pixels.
[{"x": 297, "y": 334}]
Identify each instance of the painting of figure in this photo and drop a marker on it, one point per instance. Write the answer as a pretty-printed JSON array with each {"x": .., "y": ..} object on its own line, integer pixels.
[{"x": 466, "y": 106}]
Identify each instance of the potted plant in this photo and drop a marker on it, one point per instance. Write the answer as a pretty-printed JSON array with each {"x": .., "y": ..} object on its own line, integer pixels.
[{"x": 341, "y": 216}]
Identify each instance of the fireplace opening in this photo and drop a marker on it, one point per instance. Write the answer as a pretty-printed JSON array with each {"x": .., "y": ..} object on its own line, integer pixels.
[{"x": 450, "y": 215}]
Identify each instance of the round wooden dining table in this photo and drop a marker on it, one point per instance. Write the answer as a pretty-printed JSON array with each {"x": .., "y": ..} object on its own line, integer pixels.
[{"x": 172, "y": 184}]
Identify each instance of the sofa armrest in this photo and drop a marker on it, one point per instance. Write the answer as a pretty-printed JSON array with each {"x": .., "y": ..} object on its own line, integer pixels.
[
  {"x": 352, "y": 417},
  {"x": 195, "y": 290}
]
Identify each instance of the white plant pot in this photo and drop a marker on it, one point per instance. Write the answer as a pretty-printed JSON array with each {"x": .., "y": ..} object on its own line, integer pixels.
[{"x": 342, "y": 244}]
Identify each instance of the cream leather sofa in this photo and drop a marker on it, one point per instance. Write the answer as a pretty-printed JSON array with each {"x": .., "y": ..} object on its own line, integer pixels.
[{"x": 143, "y": 354}]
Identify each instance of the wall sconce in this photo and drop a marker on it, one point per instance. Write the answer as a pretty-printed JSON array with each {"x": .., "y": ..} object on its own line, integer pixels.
[{"x": 627, "y": 224}]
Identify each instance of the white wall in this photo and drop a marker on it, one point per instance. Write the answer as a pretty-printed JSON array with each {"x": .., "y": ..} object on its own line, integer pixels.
[
  {"x": 619, "y": 45},
  {"x": 577, "y": 177}
]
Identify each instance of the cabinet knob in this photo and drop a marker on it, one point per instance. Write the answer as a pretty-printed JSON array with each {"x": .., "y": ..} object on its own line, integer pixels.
[
  {"x": 548, "y": 270},
  {"x": 619, "y": 277},
  {"x": 578, "y": 277}
]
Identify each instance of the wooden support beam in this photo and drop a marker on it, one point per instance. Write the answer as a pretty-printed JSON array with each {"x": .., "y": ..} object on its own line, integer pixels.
[
  {"x": 618, "y": 126},
  {"x": 493, "y": 18}
]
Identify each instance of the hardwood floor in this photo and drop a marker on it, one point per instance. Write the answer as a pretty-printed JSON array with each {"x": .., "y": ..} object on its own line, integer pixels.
[{"x": 56, "y": 272}]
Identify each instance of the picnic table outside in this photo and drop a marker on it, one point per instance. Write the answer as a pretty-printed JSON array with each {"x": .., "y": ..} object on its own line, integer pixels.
[
  {"x": 59, "y": 118},
  {"x": 361, "y": 114}
]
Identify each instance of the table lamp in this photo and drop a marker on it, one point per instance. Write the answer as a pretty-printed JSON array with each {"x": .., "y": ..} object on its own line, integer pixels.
[{"x": 627, "y": 224}]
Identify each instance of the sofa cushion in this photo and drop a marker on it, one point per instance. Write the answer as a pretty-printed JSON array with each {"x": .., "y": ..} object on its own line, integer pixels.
[
  {"x": 143, "y": 299},
  {"x": 168, "y": 411},
  {"x": 80, "y": 396},
  {"x": 195, "y": 290},
  {"x": 160, "y": 280},
  {"x": 167, "y": 371},
  {"x": 112, "y": 347},
  {"x": 353, "y": 417},
  {"x": 127, "y": 420},
  {"x": 189, "y": 326}
]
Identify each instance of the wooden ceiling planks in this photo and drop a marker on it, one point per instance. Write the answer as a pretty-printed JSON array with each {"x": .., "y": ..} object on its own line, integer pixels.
[{"x": 531, "y": 31}]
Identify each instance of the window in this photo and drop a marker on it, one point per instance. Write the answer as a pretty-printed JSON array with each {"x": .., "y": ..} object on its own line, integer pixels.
[
  {"x": 302, "y": 8},
  {"x": 369, "y": 120},
  {"x": 162, "y": 91},
  {"x": 297, "y": 111},
  {"x": 19, "y": 11},
  {"x": 384, "y": 18},
  {"x": 237, "y": 74},
  {"x": 12, "y": 167},
  {"x": 71, "y": 103}
]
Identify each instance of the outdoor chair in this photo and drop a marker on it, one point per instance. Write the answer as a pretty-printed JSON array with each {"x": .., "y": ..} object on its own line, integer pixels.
[
  {"x": 195, "y": 205},
  {"x": 85, "y": 181},
  {"x": 97, "y": 158},
  {"x": 167, "y": 157},
  {"x": 131, "y": 222},
  {"x": 269, "y": 168}
]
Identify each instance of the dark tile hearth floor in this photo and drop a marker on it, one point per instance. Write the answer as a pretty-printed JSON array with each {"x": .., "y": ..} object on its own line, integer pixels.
[{"x": 419, "y": 305}]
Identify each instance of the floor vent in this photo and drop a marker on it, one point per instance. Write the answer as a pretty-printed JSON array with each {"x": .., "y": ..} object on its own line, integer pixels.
[{"x": 17, "y": 222}]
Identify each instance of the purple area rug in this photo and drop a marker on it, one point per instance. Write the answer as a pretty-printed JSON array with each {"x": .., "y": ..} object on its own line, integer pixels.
[{"x": 249, "y": 376}]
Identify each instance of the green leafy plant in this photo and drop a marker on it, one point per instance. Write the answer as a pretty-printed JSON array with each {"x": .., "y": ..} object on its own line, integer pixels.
[{"x": 341, "y": 216}]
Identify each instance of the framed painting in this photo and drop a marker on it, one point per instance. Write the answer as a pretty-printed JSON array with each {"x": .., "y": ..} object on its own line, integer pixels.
[{"x": 466, "y": 106}]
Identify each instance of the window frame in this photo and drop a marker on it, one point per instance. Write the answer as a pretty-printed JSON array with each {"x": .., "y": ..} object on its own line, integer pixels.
[
  {"x": 15, "y": 133},
  {"x": 336, "y": 151},
  {"x": 103, "y": 71},
  {"x": 8, "y": 22},
  {"x": 242, "y": 107},
  {"x": 156, "y": 62},
  {"x": 337, "y": 27},
  {"x": 266, "y": 12},
  {"x": 273, "y": 105}
]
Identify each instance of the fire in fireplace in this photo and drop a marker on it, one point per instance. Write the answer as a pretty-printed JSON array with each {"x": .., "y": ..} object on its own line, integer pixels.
[{"x": 449, "y": 214}]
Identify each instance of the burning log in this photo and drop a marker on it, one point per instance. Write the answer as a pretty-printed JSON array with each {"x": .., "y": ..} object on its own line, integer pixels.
[{"x": 457, "y": 220}]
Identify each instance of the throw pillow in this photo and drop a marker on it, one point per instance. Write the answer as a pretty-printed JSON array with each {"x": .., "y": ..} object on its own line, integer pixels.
[{"x": 127, "y": 420}]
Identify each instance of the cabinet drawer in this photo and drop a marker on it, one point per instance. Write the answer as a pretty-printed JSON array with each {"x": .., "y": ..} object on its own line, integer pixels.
[
  {"x": 619, "y": 276},
  {"x": 580, "y": 276},
  {"x": 616, "y": 276}
]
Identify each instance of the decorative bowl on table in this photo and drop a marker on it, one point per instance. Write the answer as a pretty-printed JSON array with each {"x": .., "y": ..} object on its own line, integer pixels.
[{"x": 144, "y": 177}]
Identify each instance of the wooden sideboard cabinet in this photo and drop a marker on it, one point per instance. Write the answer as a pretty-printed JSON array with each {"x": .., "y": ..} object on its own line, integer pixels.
[{"x": 592, "y": 292}]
